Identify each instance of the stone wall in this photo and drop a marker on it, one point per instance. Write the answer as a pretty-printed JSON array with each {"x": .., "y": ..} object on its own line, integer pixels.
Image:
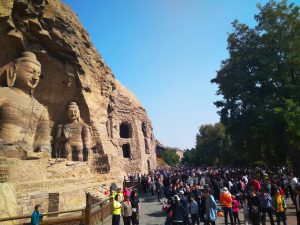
[{"x": 72, "y": 71}]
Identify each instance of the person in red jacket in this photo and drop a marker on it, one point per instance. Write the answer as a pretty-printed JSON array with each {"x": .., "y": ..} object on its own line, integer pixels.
[{"x": 255, "y": 185}]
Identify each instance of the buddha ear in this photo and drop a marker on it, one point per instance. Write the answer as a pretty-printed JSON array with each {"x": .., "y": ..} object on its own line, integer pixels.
[{"x": 11, "y": 74}]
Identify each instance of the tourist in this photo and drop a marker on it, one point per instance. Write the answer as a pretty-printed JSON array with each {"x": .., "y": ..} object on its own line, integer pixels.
[
  {"x": 193, "y": 208},
  {"x": 185, "y": 205},
  {"x": 126, "y": 192},
  {"x": 187, "y": 182},
  {"x": 280, "y": 208},
  {"x": 297, "y": 199},
  {"x": 246, "y": 211},
  {"x": 167, "y": 208},
  {"x": 202, "y": 207},
  {"x": 294, "y": 182},
  {"x": 126, "y": 210},
  {"x": 254, "y": 207},
  {"x": 119, "y": 192},
  {"x": 116, "y": 210},
  {"x": 135, "y": 204},
  {"x": 210, "y": 208},
  {"x": 266, "y": 206},
  {"x": 36, "y": 216},
  {"x": 159, "y": 190},
  {"x": 235, "y": 210},
  {"x": 226, "y": 202},
  {"x": 178, "y": 211}
]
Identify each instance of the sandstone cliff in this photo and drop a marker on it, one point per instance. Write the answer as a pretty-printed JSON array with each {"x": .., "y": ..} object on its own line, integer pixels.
[
  {"x": 72, "y": 70},
  {"x": 122, "y": 137}
]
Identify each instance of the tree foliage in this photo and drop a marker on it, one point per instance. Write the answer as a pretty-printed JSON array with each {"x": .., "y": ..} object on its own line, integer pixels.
[
  {"x": 260, "y": 85},
  {"x": 212, "y": 146},
  {"x": 170, "y": 156}
]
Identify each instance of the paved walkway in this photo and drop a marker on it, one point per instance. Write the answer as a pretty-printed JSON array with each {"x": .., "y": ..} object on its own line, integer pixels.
[{"x": 152, "y": 214}]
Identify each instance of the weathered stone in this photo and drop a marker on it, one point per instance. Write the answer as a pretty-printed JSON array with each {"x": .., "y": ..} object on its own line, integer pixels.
[
  {"x": 121, "y": 138},
  {"x": 72, "y": 140},
  {"x": 23, "y": 119}
]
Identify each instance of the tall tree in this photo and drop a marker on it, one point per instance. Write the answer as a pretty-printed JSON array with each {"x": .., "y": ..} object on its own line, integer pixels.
[
  {"x": 211, "y": 144},
  {"x": 260, "y": 85}
]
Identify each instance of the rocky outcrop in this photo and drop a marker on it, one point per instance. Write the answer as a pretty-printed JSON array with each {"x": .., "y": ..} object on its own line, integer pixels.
[{"x": 121, "y": 135}]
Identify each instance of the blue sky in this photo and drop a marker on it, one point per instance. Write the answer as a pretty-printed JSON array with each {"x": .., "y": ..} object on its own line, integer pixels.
[{"x": 166, "y": 52}]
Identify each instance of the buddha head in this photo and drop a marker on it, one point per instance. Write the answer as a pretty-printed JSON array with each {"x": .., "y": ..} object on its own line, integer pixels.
[
  {"x": 24, "y": 73},
  {"x": 73, "y": 112}
]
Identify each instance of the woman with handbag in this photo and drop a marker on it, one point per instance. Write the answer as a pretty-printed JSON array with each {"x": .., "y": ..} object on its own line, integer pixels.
[{"x": 135, "y": 204}]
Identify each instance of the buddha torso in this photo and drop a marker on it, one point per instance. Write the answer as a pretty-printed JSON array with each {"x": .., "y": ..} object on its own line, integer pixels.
[
  {"x": 23, "y": 119},
  {"x": 78, "y": 134}
]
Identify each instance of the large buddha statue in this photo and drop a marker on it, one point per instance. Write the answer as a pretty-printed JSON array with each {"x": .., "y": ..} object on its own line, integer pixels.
[
  {"x": 72, "y": 140},
  {"x": 23, "y": 120}
]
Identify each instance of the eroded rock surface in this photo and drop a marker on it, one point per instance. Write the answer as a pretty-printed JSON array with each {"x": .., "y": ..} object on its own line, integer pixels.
[{"x": 120, "y": 136}]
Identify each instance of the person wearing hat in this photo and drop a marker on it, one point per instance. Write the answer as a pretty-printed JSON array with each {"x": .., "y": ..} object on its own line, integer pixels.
[
  {"x": 226, "y": 202},
  {"x": 178, "y": 211},
  {"x": 185, "y": 204}
]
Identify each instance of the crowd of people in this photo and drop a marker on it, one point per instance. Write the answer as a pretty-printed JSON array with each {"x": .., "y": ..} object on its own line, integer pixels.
[
  {"x": 192, "y": 196},
  {"x": 126, "y": 204},
  {"x": 201, "y": 195}
]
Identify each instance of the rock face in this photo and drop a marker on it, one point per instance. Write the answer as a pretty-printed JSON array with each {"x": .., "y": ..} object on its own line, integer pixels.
[{"x": 120, "y": 135}]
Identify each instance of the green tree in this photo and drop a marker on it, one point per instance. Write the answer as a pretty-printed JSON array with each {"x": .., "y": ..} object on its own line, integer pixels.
[
  {"x": 212, "y": 144},
  {"x": 170, "y": 156},
  {"x": 189, "y": 157},
  {"x": 260, "y": 85}
]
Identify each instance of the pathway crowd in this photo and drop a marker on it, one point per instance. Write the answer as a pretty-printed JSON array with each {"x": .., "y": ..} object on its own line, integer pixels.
[{"x": 192, "y": 196}]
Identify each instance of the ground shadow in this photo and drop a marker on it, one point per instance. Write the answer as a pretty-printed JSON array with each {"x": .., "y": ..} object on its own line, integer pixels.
[
  {"x": 157, "y": 214},
  {"x": 149, "y": 200}
]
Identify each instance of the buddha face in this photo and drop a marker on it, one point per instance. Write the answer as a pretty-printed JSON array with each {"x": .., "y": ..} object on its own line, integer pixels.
[
  {"x": 73, "y": 114},
  {"x": 27, "y": 76}
]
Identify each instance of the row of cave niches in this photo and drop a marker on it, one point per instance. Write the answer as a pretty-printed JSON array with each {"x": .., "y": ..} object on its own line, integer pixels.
[
  {"x": 126, "y": 130},
  {"x": 126, "y": 133}
]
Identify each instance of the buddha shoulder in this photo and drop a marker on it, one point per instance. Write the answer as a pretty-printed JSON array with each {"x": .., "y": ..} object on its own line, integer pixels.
[{"x": 8, "y": 95}]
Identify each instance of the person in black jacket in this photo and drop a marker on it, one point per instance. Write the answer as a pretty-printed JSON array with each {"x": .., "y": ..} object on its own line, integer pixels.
[
  {"x": 135, "y": 204},
  {"x": 185, "y": 205},
  {"x": 178, "y": 211},
  {"x": 254, "y": 207}
]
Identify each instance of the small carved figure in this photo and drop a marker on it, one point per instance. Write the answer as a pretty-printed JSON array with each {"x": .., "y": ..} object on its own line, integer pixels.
[
  {"x": 73, "y": 138},
  {"x": 22, "y": 118}
]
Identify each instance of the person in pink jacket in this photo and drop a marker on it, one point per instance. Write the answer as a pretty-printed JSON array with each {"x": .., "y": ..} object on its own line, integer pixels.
[{"x": 235, "y": 210}]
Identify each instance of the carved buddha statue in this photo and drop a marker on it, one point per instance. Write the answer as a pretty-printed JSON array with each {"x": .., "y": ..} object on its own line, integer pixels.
[
  {"x": 23, "y": 119},
  {"x": 72, "y": 140}
]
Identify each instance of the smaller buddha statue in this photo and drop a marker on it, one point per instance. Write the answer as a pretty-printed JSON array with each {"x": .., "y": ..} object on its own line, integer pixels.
[{"x": 72, "y": 140}]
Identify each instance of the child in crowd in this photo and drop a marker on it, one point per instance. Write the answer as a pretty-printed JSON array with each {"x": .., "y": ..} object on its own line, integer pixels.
[
  {"x": 235, "y": 210},
  {"x": 280, "y": 208}
]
